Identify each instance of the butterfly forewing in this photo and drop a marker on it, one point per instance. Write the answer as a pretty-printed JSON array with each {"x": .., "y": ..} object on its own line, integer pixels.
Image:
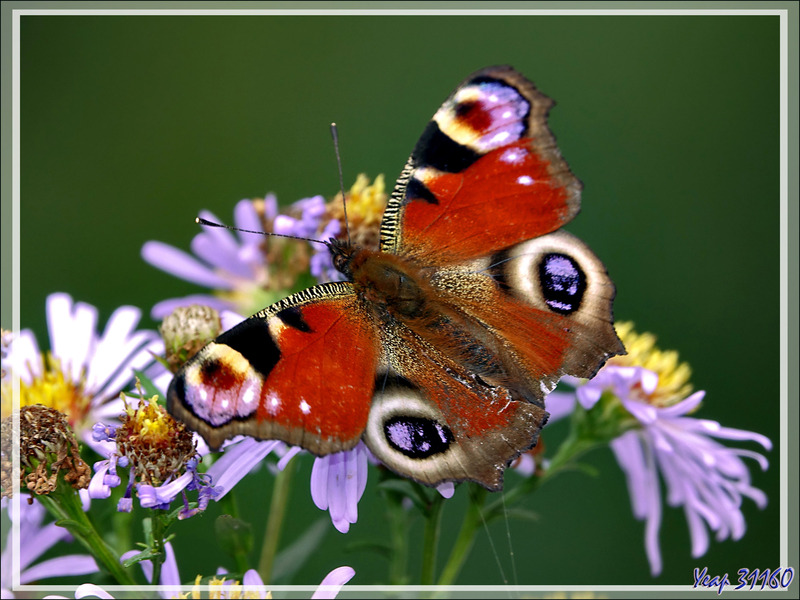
[
  {"x": 301, "y": 370},
  {"x": 485, "y": 174}
]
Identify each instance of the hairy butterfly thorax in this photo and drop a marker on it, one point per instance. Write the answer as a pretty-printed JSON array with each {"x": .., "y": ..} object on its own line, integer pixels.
[{"x": 440, "y": 348}]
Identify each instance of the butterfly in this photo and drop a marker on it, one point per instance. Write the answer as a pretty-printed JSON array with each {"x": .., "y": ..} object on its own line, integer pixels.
[{"x": 440, "y": 347}]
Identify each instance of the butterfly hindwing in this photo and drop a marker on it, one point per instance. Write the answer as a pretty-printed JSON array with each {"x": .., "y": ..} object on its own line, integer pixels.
[{"x": 301, "y": 370}]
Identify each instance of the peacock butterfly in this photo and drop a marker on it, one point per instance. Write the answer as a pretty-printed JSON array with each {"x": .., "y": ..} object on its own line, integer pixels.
[{"x": 439, "y": 349}]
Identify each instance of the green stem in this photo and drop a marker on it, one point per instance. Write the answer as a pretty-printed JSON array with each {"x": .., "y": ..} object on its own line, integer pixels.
[
  {"x": 160, "y": 555},
  {"x": 570, "y": 449},
  {"x": 65, "y": 505},
  {"x": 433, "y": 523},
  {"x": 398, "y": 533},
  {"x": 466, "y": 537},
  {"x": 277, "y": 512}
]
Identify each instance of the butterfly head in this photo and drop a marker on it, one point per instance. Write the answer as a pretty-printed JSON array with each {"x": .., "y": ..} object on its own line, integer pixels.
[{"x": 342, "y": 253}]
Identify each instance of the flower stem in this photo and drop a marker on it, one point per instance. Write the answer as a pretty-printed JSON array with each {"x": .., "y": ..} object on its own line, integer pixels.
[
  {"x": 466, "y": 538},
  {"x": 160, "y": 555},
  {"x": 398, "y": 533},
  {"x": 65, "y": 505},
  {"x": 433, "y": 523},
  {"x": 277, "y": 510}
]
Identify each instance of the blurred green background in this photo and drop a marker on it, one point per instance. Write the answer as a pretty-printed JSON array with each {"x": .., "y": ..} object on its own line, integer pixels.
[{"x": 131, "y": 125}]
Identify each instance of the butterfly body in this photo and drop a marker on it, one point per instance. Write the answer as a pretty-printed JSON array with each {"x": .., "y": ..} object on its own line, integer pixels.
[{"x": 439, "y": 349}]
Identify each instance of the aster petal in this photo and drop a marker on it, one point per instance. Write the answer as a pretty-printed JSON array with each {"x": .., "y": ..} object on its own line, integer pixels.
[
  {"x": 90, "y": 589},
  {"x": 337, "y": 494},
  {"x": 560, "y": 405},
  {"x": 24, "y": 357},
  {"x": 119, "y": 345},
  {"x": 150, "y": 496},
  {"x": 447, "y": 489},
  {"x": 252, "y": 581},
  {"x": 629, "y": 453},
  {"x": 245, "y": 216},
  {"x": 588, "y": 395},
  {"x": 653, "y": 519},
  {"x": 270, "y": 206},
  {"x": 225, "y": 241},
  {"x": 237, "y": 461},
  {"x": 685, "y": 406},
  {"x": 333, "y": 582},
  {"x": 182, "y": 265},
  {"x": 290, "y": 454},
  {"x": 35, "y": 542},
  {"x": 72, "y": 330},
  {"x": 319, "y": 482},
  {"x": 97, "y": 487},
  {"x": 351, "y": 481},
  {"x": 71, "y": 564},
  {"x": 285, "y": 225},
  {"x": 697, "y": 533},
  {"x": 222, "y": 256}
]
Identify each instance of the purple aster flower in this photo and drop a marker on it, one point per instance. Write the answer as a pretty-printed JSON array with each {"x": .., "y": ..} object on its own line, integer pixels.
[
  {"x": 701, "y": 475},
  {"x": 84, "y": 372},
  {"x": 312, "y": 211},
  {"x": 238, "y": 269},
  {"x": 35, "y": 539},
  {"x": 160, "y": 457},
  {"x": 224, "y": 261}
]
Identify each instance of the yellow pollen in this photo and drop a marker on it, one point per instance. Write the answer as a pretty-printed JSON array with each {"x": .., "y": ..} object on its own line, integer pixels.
[
  {"x": 149, "y": 422},
  {"x": 367, "y": 201},
  {"x": 217, "y": 588},
  {"x": 673, "y": 375},
  {"x": 53, "y": 389}
]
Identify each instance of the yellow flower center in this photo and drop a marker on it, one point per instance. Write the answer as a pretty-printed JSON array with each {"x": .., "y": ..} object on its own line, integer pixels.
[
  {"x": 366, "y": 202},
  {"x": 218, "y": 589},
  {"x": 365, "y": 205},
  {"x": 673, "y": 375},
  {"x": 149, "y": 423},
  {"x": 53, "y": 389}
]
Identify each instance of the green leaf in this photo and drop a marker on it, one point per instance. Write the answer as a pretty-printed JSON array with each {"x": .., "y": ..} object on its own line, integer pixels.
[
  {"x": 293, "y": 557},
  {"x": 147, "y": 554},
  {"x": 149, "y": 387},
  {"x": 73, "y": 526}
]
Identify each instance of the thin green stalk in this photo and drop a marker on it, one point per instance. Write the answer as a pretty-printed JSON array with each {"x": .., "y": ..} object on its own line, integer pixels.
[
  {"x": 275, "y": 519},
  {"x": 159, "y": 530},
  {"x": 433, "y": 522},
  {"x": 466, "y": 537},
  {"x": 398, "y": 534},
  {"x": 65, "y": 505}
]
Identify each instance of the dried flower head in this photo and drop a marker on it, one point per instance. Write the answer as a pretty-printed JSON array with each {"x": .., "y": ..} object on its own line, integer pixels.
[{"x": 48, "y": 448}]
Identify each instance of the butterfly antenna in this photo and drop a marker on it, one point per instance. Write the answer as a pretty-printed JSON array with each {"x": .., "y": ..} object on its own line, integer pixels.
[
  {"x": 206, "y": 222},
  {"x": 335, "y": 136}
]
